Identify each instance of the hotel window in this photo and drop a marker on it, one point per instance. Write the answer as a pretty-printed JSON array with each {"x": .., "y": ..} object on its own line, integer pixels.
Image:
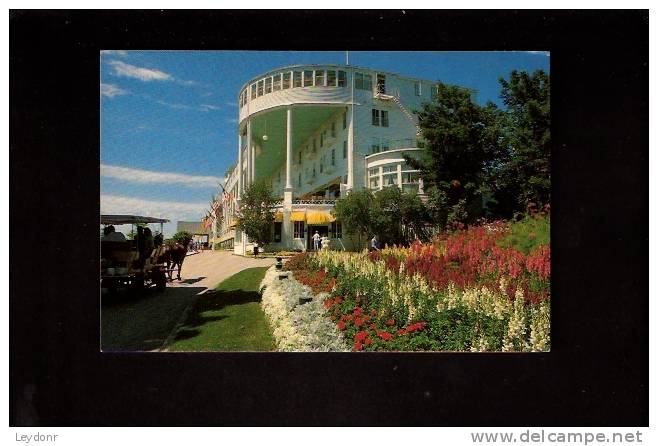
[
  {"x": 342, "y": 79},
  {"x": 417, "y": 88},
  {"x": 308, "y": 78},
  {"x": 435, "y": 91},
  {"x": 410, "y": 177},
  {"x": 344, "y": 149},
  {"x": 384, "y": 118},
  {"x": 344, "y": 120},
  {"x": 277, "y": 82},
  {"x": 299, "y": 180},
  {"x": 336, "y": 229},
  {"x": 374, "y": 182},
  {"x": 331, "y": 78},
  {"x": 390, "y": 168},
  {"x": 390, "y": 180},
  {"x": 333, "y": 157},
  {"x": 333, "y": 129},
  {"x": 314, "y": 172},
  {"x": 385, "y": 144},
  {"x": 253, "y": 91},
  {"x": 286, "y": 80},
  {"x": 268, "y": 85},
  {"x": 314, "y": 146},
  {"x": 319, "y": 78},
  {"x": 381, "y": 84},
  {"x": 375, "y": 146},
  {"x": 277, "y": 231},
  {"x": 260, "y": 88},
  {"x": 362, "y": 81},
  {"x": 298, "y": 229},
  {"x": 375, "y": 117},
  {"x": 373, "y": 172},
  {"x": 296, "y": 78}
]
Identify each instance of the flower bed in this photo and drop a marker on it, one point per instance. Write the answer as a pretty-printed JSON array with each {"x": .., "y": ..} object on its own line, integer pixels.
[
  {"x": 465, "y": 292},
  {"x": 298, "y": 327}
]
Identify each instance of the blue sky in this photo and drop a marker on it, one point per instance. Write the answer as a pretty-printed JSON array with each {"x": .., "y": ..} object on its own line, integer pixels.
[{"x": 169, "y": 118}]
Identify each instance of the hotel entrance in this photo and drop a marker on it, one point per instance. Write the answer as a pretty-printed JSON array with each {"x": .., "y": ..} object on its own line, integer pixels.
[{"x": 323, "y": 230}]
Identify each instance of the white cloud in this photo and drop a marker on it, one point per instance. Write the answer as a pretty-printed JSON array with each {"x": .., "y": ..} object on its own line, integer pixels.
[
  {"x": 208, "y": 107},
  {"x": 111, "y": 90},
  {"x": 131, "y": 175},
  {"x": 543, "y": 53},
  {"x": 176, "y": 106},
  {"x": 232, "y": 104},
  {"x": 121, "y": 53},
  {"x": 233, "y": 120},
  {"x": 172, "y": 210},
  {"x": 143, "y": 74}
]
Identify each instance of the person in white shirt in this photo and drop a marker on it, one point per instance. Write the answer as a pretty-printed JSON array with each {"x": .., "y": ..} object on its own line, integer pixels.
[
  {"x": 316, "y": 241},
  {"x": 374, "y": 244}
]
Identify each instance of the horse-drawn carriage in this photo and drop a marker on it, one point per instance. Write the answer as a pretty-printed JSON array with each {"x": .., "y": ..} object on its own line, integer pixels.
[{"x": 125, "y": 265}]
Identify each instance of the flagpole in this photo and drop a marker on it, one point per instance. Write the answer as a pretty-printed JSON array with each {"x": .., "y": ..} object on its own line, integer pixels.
[{"x": 347, "y": 57}]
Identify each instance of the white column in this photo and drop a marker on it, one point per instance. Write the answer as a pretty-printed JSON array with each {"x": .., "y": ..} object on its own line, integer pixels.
[
  {"x": 350, "y": 149},
  {"x": 247, "y": 153},
  {"x": 239, "y": 163},
  {"x": 253, "y": 163},
  {"x": 421, "y": 189},
  {"x": 400, "y": 176},
  {"x": 381, "y": 177},
  {"x": 288, "y": 147}
]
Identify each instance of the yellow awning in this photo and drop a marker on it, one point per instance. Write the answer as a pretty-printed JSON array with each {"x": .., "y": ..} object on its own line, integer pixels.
[
  {"x": 298, "y": 216},
  {"x": 278, "y": 217},
  {"x": 319, "y": 218}
]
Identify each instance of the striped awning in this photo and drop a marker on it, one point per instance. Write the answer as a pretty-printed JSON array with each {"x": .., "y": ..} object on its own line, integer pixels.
[
  {"x": 319, "y": 217},
  {"x": 298, "y": 216}
]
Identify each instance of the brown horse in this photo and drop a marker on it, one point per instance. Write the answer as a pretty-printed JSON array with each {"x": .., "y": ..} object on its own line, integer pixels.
[{"x": 173, "y": 256}]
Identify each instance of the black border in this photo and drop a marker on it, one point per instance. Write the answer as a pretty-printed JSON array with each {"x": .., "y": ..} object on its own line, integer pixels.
[{"x": 597, "y": 373}]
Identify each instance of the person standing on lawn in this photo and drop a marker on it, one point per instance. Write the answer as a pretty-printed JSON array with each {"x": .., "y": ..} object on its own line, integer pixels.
[{"x": 255, "y": 250}]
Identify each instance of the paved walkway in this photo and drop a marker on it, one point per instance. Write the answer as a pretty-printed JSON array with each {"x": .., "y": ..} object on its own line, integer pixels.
[
  {"x": 143, "y": 323},
  {"x": 208, "y": 269}
]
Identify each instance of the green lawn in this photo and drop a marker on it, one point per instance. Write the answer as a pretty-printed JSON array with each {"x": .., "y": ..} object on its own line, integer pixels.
[{"x": 227, "y": 319}]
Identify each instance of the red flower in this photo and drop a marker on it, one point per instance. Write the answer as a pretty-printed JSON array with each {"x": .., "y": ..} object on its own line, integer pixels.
[
  {"x": 328, "y": 303},
  {"x": 385, "y": 335},
  {"x": 358, "y": 321},
  {"x": 368, "y": 341},
  {"x": 360, "y": 336},
  {"x": 341, "y": 325},
  {"x": 401, "y": 331},
  {"x": 358, "y": 346},
  {"x": 390, "y": 322},
  {"x": 338, "y": 299},
  {"x": 373, "y": 326},
  {"x": 358, "y": 311}
]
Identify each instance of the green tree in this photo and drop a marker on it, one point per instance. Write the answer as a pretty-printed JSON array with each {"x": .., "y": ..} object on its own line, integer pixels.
[
  {"x": 256, "y": 213},
  {"x": 353, "y": 211},
  {"x": 397, "y": 217},
  {"x": 461, "y": 141},
  {"x": 182, "y": 237},
  {"x": 524, "y": 173}
]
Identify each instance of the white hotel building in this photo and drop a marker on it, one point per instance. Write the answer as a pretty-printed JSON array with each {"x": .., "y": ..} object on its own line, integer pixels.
[{"x": 314, "y": 132}]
